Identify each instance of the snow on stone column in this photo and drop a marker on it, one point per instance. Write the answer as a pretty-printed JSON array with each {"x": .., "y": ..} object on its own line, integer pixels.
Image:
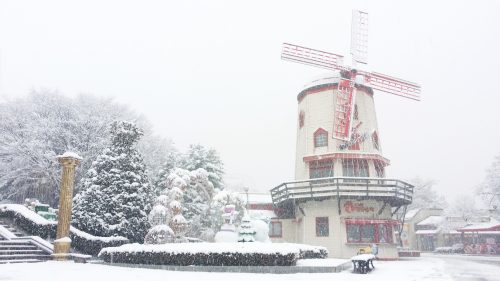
[{"x": 69, "y": 161}]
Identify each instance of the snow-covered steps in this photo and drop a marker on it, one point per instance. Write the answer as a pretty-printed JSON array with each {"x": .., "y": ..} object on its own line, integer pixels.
[
  {"x": 9, "y": 226},
  {"x": 21, "y": 251},
  {"x": 20, "y": 261}
]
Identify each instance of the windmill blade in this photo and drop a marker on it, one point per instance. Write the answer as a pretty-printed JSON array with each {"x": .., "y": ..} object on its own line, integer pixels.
[
  {"x": 393, "y": 85},
  {"x": 312, "y": 57},
  {"x": 359, "y": 36}
]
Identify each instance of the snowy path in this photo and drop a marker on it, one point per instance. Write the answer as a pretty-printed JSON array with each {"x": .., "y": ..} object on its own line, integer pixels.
[
  {"x": 429, "y": 267},
  {"x": 468, "y": 268}
]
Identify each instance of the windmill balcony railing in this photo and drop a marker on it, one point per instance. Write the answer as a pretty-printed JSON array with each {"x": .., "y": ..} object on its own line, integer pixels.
[{"x": 396, "y": 192}]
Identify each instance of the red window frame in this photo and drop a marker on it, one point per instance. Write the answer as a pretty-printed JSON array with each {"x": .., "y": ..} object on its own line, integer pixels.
[
  {"x": 272, "y": 229},
  {"x": 319, "y": 132},
  {"x": 322, "y": 222},
  {"x": 388, "y": 239}
]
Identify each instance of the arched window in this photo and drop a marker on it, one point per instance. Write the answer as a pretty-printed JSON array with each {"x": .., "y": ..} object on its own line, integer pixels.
[{"x": 320, "y": 138}]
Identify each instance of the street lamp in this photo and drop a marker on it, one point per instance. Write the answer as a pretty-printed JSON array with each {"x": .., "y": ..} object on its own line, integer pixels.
[{"x": 246, "y": 189}]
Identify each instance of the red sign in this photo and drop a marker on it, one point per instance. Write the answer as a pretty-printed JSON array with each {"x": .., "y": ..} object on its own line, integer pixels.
[{"x": 351, "y": 207}]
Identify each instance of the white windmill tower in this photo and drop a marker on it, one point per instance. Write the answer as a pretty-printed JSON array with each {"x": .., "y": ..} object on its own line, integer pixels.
[
  {"x": 340, "y": 178},
  {"x": 337, "y": 132}
]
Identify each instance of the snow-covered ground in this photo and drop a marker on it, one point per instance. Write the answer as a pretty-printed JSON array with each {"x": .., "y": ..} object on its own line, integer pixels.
[{"x": 428, "y": 267}]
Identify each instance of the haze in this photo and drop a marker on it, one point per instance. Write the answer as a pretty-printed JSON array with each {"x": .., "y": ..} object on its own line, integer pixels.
[{"x": 210, "y": 72}]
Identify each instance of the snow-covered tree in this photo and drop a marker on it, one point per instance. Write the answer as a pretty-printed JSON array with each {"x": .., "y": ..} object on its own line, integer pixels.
[
  {"x": 246, "y": 231},
  {"x": 159, "y": 180},
  {"x": 198, "y": 157},
  {"x": 195, "y": 191},
  {"x": 116, "y": 196},
  {"x": 464, "y": 206},
  {"x": 37, "y": 128},
  {"x": 489, "y": 190},
  {"x": 425, "y": 196}
]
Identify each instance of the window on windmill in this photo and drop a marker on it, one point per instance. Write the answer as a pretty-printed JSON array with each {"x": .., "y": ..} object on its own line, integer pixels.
[
  {"x": 322, "y": 227},
  {"x": 275, "y": 229},
  {"x": 357, "y": 168},
  {"x": 321, "y": 169},
  {"x": 320, "y": 138}
]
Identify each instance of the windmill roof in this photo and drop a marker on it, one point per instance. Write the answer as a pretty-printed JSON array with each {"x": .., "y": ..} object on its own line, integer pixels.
[{"x": 330, "y": 79}]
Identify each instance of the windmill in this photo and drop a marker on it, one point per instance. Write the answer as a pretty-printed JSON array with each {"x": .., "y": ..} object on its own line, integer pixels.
[{"x": 350, "y": 75}]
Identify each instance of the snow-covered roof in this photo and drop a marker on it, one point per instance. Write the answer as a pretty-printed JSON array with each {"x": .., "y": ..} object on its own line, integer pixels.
[
  {"x": 432, "y": 220},
  {"x": 411, "y": 213},
  {"x": 492, "y": 225},
  {"x": 426, "y": 231},
  {"x": 256, "y": 198},
  {"x": 262, "y": 214}
]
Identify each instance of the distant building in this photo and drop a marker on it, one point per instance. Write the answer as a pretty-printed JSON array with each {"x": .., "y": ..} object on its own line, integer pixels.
[
  {"x": 412, "y": 218},
  {"x": 481, "y": 237}
]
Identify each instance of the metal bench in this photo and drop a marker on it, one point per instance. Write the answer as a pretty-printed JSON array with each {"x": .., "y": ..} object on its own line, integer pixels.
[{"x": 361, "y": 263}]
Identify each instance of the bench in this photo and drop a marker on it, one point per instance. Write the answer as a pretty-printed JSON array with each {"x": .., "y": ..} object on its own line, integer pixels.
[{"x": 361, "y": 263}]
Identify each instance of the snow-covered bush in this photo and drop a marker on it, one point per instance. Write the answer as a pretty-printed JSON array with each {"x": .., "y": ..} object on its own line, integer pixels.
[
  {"x": 36, "y": 225},
  {"x": 160, "y": 234},
  {"x": 116, "y": 196},
  {"x": 310, "y": 252},
  {"x": 207, "y": 254}
]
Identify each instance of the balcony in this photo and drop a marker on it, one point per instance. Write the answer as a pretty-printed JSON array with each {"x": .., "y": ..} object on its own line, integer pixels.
[{"x": 395, "y": 193}]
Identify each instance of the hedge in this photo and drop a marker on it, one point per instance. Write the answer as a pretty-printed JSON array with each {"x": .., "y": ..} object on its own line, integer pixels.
[
  {"x": 202, "y": 254},
  {"x": 36, "y": 225}
]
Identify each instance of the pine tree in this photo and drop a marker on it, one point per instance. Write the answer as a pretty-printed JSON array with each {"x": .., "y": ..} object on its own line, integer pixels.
[
  {"x": 198, "y": 157},
  {"x": 159, "y": 181},
  {"x": 116, "y": 196}
]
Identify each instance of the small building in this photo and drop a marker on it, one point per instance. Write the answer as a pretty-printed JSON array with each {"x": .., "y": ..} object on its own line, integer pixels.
[{"x": 412, "y": 218}]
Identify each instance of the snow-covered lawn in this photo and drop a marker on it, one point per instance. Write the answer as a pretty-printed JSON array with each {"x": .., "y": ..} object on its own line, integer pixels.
[{"x": 425, "y": 268}]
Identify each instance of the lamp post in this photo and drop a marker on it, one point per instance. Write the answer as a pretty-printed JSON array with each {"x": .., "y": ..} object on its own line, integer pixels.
[{"x": 246, "y": 189}]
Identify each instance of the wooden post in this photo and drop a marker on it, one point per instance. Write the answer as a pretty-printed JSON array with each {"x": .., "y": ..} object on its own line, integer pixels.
[{"x": 62, "y": 244}]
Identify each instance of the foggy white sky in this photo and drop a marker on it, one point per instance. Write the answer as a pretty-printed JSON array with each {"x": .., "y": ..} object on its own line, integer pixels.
[{"x": 210, "y": 72}]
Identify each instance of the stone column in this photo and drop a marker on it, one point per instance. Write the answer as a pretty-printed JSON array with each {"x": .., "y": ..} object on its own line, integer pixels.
[{"x": 69, "y": 161}]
